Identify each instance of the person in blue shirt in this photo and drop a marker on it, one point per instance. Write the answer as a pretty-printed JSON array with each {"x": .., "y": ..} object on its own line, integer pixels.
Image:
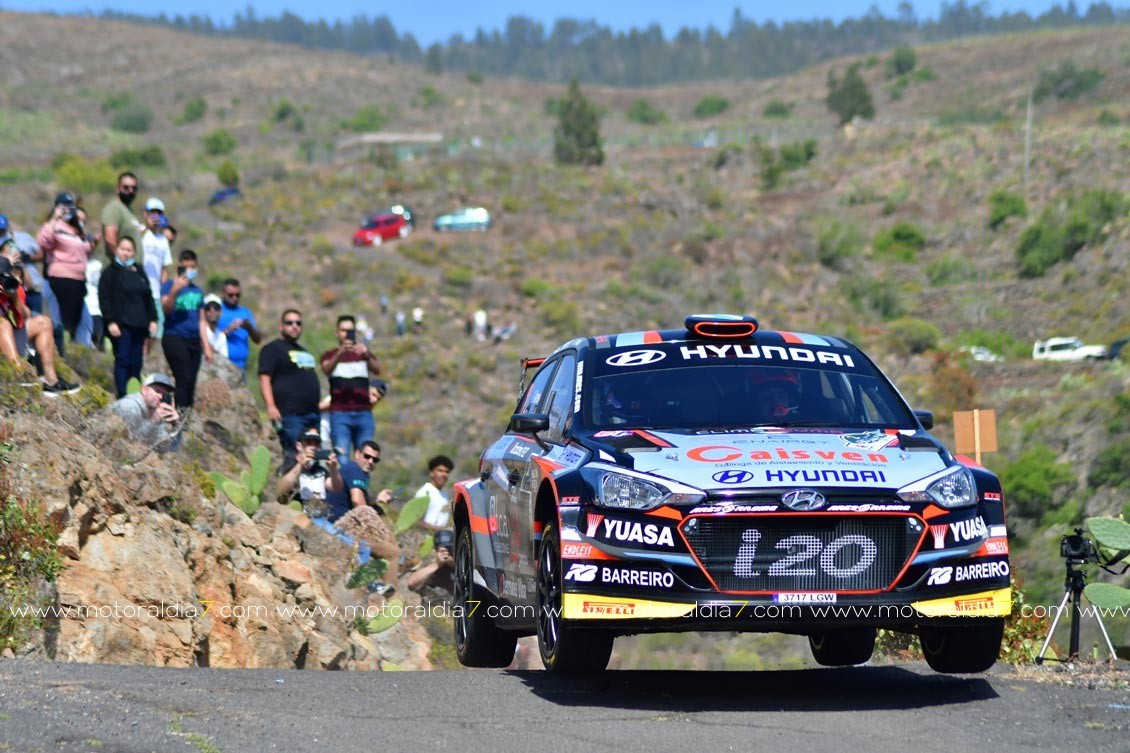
[
  {"x": 355, "y": 496},
  {"x": 183, "y": 302},
  {"x": 238, "y": 323}
]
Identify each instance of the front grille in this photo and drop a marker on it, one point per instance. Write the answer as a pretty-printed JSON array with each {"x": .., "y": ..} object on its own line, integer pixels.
[{"x": 799, "y": 552}]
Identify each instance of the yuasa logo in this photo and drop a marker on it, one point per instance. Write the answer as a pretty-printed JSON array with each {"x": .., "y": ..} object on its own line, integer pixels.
[
  {"x": 636, "y": 358},
  {"x": 732, "y": 477},
  {"x": 939, "y": 533},
  {"x": 623, "y": 530},
  {"x": 593, "y": 524}
]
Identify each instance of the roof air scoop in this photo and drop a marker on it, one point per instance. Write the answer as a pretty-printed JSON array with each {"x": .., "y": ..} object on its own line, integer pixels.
[{"x": 721, "y": 326}]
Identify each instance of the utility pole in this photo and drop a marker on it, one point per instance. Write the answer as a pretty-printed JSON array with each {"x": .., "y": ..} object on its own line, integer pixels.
[{"x": 1027, "y": 142}]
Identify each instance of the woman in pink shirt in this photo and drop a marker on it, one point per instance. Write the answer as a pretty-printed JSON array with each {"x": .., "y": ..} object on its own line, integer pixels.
[{"x": 66, "y": 246}]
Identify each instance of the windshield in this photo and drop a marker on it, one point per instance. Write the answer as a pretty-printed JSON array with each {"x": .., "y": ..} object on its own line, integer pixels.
[{"x": 729, "y": 393}]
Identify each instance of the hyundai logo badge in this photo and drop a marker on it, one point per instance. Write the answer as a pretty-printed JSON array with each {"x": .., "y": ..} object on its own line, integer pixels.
[
  {"x": 732, "y": 477},
  {"x": 803, "y": 499}
]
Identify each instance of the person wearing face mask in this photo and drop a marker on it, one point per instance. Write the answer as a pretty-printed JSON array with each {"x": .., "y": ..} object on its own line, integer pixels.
[
  {"x": 183, "y": 341},
  {"x": 119, "y": 221},
  {"x": 128, "y": 312}
]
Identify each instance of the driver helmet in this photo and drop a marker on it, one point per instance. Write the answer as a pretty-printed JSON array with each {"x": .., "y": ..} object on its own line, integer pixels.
[{"x": 777, "y": 391}]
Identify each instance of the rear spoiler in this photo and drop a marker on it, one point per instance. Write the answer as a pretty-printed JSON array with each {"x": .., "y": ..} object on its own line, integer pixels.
[{"x": 527, "y": 364}]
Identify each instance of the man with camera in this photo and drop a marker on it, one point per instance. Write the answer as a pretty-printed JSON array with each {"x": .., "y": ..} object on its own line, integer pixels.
[
  {"x": 437, "y": 573},
  {"x": 349, "y": 367},
  {"x": 19, "y": 328},
  {"x": 288, "y": 381},
  {"x": 310, "y": 475},
  {"x": 149, "y": 415}
]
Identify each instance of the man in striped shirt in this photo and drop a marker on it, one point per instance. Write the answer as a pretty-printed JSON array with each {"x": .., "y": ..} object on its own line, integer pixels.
[{"x": 349, "y": 367}]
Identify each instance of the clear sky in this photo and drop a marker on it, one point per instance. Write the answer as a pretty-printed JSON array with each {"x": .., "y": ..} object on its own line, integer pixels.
[{"x": 437, "y": 20}]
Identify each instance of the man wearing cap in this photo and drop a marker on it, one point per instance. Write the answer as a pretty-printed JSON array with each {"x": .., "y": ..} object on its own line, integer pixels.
[
  {"x": 150, "y": 415},
  {"x": 157, "y": 255},
  {"x": 213, "y": 333},
  {"x": 66, "y": 249},
  {"x": 118, "y": 219},
  {"x": 308, "y": 478}
]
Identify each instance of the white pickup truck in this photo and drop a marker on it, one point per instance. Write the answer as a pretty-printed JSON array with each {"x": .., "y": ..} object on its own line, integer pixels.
[{"x": 1067, "y": 349}]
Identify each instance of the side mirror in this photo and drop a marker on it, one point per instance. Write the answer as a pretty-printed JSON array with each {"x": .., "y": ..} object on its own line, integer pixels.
[
  {"x": 926, "y": 418},
  {"x": 530, "y": 423}
]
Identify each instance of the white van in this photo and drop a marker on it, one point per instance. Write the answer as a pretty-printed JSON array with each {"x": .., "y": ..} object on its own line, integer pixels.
[{"x": 1067, "y": 349}]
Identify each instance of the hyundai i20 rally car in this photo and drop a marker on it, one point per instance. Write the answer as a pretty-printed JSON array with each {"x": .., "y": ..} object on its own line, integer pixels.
[{"x": 724, "y": 477}]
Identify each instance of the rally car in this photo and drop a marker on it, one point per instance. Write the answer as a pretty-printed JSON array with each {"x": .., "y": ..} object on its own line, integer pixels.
[{"x": 724, "y": 477}]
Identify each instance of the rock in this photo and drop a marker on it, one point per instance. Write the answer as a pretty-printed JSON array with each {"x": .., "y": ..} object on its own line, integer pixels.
[{"x": 293, "y": 571}]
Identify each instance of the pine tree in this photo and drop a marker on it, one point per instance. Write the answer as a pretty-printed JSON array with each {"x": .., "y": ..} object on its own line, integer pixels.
[
  {"x": 576, "y": 139},
  {"x": 849, "y": 97}
]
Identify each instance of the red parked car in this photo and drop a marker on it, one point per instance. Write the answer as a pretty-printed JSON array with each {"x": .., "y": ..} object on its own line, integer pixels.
[{"x": 380, "y": 227}]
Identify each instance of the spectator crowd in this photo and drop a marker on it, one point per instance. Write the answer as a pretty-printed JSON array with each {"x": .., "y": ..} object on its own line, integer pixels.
[{"x": 128, "y": 282}]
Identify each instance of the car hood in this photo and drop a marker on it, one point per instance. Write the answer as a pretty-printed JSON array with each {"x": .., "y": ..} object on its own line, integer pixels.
[{"x": 766, "y": 457}]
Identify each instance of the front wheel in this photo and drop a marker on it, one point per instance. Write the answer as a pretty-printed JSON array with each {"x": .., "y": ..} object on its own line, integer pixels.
[
  {"x": 478, "y": 641},
  {"x": 565, "y": 649},
  {"x": 964, "y": 649},
  {"x": 842, "y": 648}
]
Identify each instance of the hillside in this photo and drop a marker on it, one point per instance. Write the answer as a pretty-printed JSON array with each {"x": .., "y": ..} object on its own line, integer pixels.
[{"x": 662, "y": 229}]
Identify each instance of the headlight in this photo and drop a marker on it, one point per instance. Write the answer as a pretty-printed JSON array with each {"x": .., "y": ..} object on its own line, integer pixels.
[
  {"x": 636, "y": 491},
  {"x": 951, "y": 488}
]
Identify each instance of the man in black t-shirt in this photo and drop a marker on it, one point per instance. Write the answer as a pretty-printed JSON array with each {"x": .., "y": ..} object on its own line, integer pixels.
[{"x": 288, "y": 380}]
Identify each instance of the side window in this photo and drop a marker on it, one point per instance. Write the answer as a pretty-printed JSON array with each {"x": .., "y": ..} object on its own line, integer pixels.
[
  {"x": 561, "y": 399},
  {"x": 537, "y": 389}
]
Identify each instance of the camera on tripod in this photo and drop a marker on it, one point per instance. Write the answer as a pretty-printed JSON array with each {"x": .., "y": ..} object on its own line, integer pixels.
[{"x": 1076, "y": 547}]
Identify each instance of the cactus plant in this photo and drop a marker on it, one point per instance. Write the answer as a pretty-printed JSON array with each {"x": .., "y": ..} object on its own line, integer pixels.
[
  {"x": 1113, "y": 537},
  {"x": 247, "y": 492},
  {"x": 412, "y": 514}
]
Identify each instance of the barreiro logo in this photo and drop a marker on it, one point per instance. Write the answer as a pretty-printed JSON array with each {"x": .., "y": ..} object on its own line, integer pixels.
[
  {"x": 732, "y": 477},
  {"x": 581, "y": 573},
  {"x": 594, "y": 524},
  {"x": 636, "y": 358}
]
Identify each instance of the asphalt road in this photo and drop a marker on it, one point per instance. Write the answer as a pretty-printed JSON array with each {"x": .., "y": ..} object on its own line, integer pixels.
[{"x": 115, "y": 709}]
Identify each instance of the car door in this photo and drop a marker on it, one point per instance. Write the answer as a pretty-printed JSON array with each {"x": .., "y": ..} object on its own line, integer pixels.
[
  {"x": 557, "y": 402},
  {"x": 506, "y": 464}
]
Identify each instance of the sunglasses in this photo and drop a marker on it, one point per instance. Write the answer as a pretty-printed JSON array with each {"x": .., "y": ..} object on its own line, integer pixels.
[
  {"x": 374, "y": 458},
  {"x": 232, "y": 295},
  {"x": 292, "y": 322}
]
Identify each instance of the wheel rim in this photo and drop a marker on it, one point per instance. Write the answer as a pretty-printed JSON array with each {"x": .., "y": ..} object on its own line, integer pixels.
[
  {"x": 463, "y": 588},
  {"x": 549, "y": 601}
]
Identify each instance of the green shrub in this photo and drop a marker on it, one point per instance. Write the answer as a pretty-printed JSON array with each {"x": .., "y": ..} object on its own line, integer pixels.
[
  {"x": 645, "y": 113},
  {"x": 194, "y": 110},
  {"x": 777, "y": 108},
  {"x": 950, "y": 269},
  {"x": 460, "y": 277},
  {"x": 1036, "y": 482},
  {"x": 849, "y": 97},
  {"x": 132, "y": 118},
  {"x": 369, "y": 118},
  {"x": 1004, "y": 204},
  {"x": 1111, "y": 466},
  {"x": 284, "y": 109},
  {"x": 1108, "y": 118},
  {"x": 561, "y": 316},
  {"x": 534, "y": 287},
  {"x": 837, "y": 243},
  {"x": 873, "y": 295},
  {"x": 726, "y": 154},
  {"x": 227, "y": 173},
  {"x": 474, "y": 78},
  {"x": 85, "y": 176},
  {"x": 662, "y": 271},
  {"x": 1066, "y": 81},
  {"x": 923, "y": 75},
  {"x": 901, "y": 62},
  {"x": 576, "y": 139},
  {"x": 797, "y": 154},
  {"x": 711, "y": 105},
  {"x": 910, "y": 336},
  {"x": 146, "y": 156},
  {"x": 901, "y": 241},
  {"x": 219, "y": 142},
  {"x": 115, "y": 101},
  {"x": 552, "y": 106},
  {"x": 430, "y": 97},
  {"x": 1060, "y": 232}
]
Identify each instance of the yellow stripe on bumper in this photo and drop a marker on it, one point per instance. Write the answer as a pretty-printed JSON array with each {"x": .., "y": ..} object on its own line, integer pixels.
[
  {"x": 988, "y": 604},
  {"x": 585, "y": 607}
]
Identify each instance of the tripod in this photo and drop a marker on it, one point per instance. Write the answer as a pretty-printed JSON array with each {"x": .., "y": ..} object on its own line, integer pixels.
[{"x": 1073, "y": 586}]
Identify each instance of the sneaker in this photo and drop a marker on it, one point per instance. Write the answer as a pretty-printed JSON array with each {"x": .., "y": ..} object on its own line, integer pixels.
[
  {"x": 61, "y": 387},
  {"x": 381, "y": 589}
]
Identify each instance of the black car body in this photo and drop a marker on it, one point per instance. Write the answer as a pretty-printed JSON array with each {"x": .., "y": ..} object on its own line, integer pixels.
[{"x": 722, "y": 477}]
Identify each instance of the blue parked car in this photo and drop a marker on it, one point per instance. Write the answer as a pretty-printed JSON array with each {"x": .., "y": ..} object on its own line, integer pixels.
[
  {"x": 225, "y": 193},
  {"x": 467, "y": 218}
]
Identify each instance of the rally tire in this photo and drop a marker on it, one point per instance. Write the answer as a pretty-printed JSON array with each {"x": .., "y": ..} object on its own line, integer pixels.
[
  {"x": 842, "y": 648},
  {"x": 565, "y": 649},
  {"x": 478, "y": 641},
  {"x": 962, "y": 650}
]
